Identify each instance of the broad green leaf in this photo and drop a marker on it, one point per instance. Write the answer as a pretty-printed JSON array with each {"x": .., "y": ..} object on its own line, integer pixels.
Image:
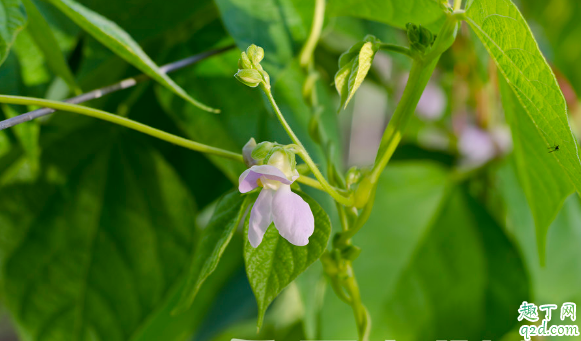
[
  {"x": 12, "y": 21},
  {"x": 543, "y": 180},
  {"x": 116, "y": 39},
  {"x": 464, "y": 261},
  {"x": 275, "y": 263},
  {"x": 96, "y": 255},
  {"x": 508, "y": 39},
  {"x": 392, "y": 12},
  {"x": 280, "y": 27},
  {"x": 353, "y": 67},
  {"x": 44, "y": 38},
  {"x": 401, "y": 245},
  {"x": 212, "y": 243},
  {"x": 559, "y": 280},
  {"x": 33, "y": 68}
]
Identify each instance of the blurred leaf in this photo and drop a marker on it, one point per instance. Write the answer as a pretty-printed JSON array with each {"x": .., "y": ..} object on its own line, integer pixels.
[
  {"x": 95, "y": 256},
  {"x": 465, "y": 261},
  {"x": 393, "y": 12},
  {"x": 44, "y": 38},
  {"x": 27, "y": 134},
  {"x": 408, "y": 196},
  {"x": 436, "y": 251},
  {"x": 508, "y": 39},
  {"x": 544, "y": 181},
  {"x": 33, "y": 68},
  {"x": 559, "y": 280},
  {"x": 353, "y": 67},
  {"x": 115, "y": 38},
  {"x": 275, "y": 263},
  {"x": 212, "y": 243},
  {"x": 278, "y": 26},
  {"x": 12, "y": 20}
]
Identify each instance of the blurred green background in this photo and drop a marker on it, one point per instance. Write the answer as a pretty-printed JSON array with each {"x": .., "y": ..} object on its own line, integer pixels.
[{"x": 98, "y": 223}]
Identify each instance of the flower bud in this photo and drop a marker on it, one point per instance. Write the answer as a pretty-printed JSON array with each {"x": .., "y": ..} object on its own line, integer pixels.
[
  {"x": 420, "y": 38},
  {"x": 249, "y": 77},
  {"x": 255, "y": 53},
  {"x": 353, "y": 176},
  {"x": 363, "y": 192},
  {"x": 247, "y": 153},
  {"x": 244, "y": 62},
  {"x": 262, "y": 150},
  {"x": 283, "y": 160}
]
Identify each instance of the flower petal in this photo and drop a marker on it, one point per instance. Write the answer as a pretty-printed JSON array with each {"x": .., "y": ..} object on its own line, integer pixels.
[
  {"x": 260, "y": 217},
  {"x": 292, "y": 216},
  {"x": 247, "y": 181}
]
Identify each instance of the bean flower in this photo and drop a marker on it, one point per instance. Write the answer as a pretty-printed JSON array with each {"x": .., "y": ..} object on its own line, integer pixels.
[{"x": 276, "y": 202}]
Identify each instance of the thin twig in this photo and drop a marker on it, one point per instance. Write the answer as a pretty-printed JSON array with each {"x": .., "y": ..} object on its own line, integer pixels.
[{"x": 124, "y": 84}]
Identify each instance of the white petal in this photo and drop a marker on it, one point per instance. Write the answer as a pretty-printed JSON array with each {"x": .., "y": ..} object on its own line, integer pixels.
[
  {"x": 292, "y": 216},
  {"x": 260, "y": 217}
]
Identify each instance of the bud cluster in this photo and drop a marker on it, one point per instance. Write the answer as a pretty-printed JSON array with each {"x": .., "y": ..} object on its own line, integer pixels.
[
  {"x": 250, "y": 71},
  {"x": 270, "y": 153},
  {"x": 420, "y": 38}
]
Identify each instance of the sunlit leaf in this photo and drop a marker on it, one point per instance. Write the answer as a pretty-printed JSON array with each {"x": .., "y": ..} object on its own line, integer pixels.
[
  {"x": 12, "y": 21},
  {"x": 508, "y": 39},
  {"x": 353, "y": 67},
  {"x": 544, "y": 181},
  {"x": 44, "y": 38},
  {"x": 116, "y": 39},
  {"x": 275, "y": 263}
]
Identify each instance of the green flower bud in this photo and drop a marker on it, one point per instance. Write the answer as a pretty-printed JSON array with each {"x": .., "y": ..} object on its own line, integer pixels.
[
  {"x": 244, "y": 62},
  {"x": 249, "y": 77},
  {"x": 283, "y": 159},
  {"x": 255, "y": 53},
  {"x": 353, "y": 176},
  {"x": 420, "y": 38},
  {"x": 262, "y": 150},
  {"x": 351, "y": 252}
]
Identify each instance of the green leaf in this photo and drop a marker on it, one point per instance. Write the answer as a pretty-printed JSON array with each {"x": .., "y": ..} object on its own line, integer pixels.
[
  {"x": 508, "y": 39},
  {"x": 44, "y": 38},
  {"x": 544, "y": 181},
  {"x": 559, "y": 280},
  {"x": 464, "y": 261},
  {"x": 212, "y": 243},
  {"x": 353, "y": 67},
  {"x": 12, "y": 21},
  {"x": 392, "y": 12},
  {"x": 116, "y": 39},
  {"x": 275, "y": 263},
  {"x": 415, "y": 202},
  {"x": 96, "y": 255}
]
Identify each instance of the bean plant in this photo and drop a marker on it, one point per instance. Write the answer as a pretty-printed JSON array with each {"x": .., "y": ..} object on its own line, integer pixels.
[{"x": 462, "y": 204}]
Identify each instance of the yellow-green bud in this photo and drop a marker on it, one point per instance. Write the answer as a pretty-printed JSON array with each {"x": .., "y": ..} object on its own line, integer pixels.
[{"x": 249, "y": 77}]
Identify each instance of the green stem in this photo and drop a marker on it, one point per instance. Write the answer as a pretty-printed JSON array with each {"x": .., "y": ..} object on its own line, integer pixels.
[
  {"x": 418, "y": 79},
  {"x": 309, "y": 47},
  {"x": 396, "y": 48},
  {"x": 361, "y": 315},
  {"x": 122, "y": 121},
  {"x": 305, "y": 156}
]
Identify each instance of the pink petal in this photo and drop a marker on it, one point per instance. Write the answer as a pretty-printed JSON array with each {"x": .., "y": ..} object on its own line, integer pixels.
[
  {"x": 247, "y": 181},
  {"x": 292, "y": 216},
  {"x": 260, "y": 217}
]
